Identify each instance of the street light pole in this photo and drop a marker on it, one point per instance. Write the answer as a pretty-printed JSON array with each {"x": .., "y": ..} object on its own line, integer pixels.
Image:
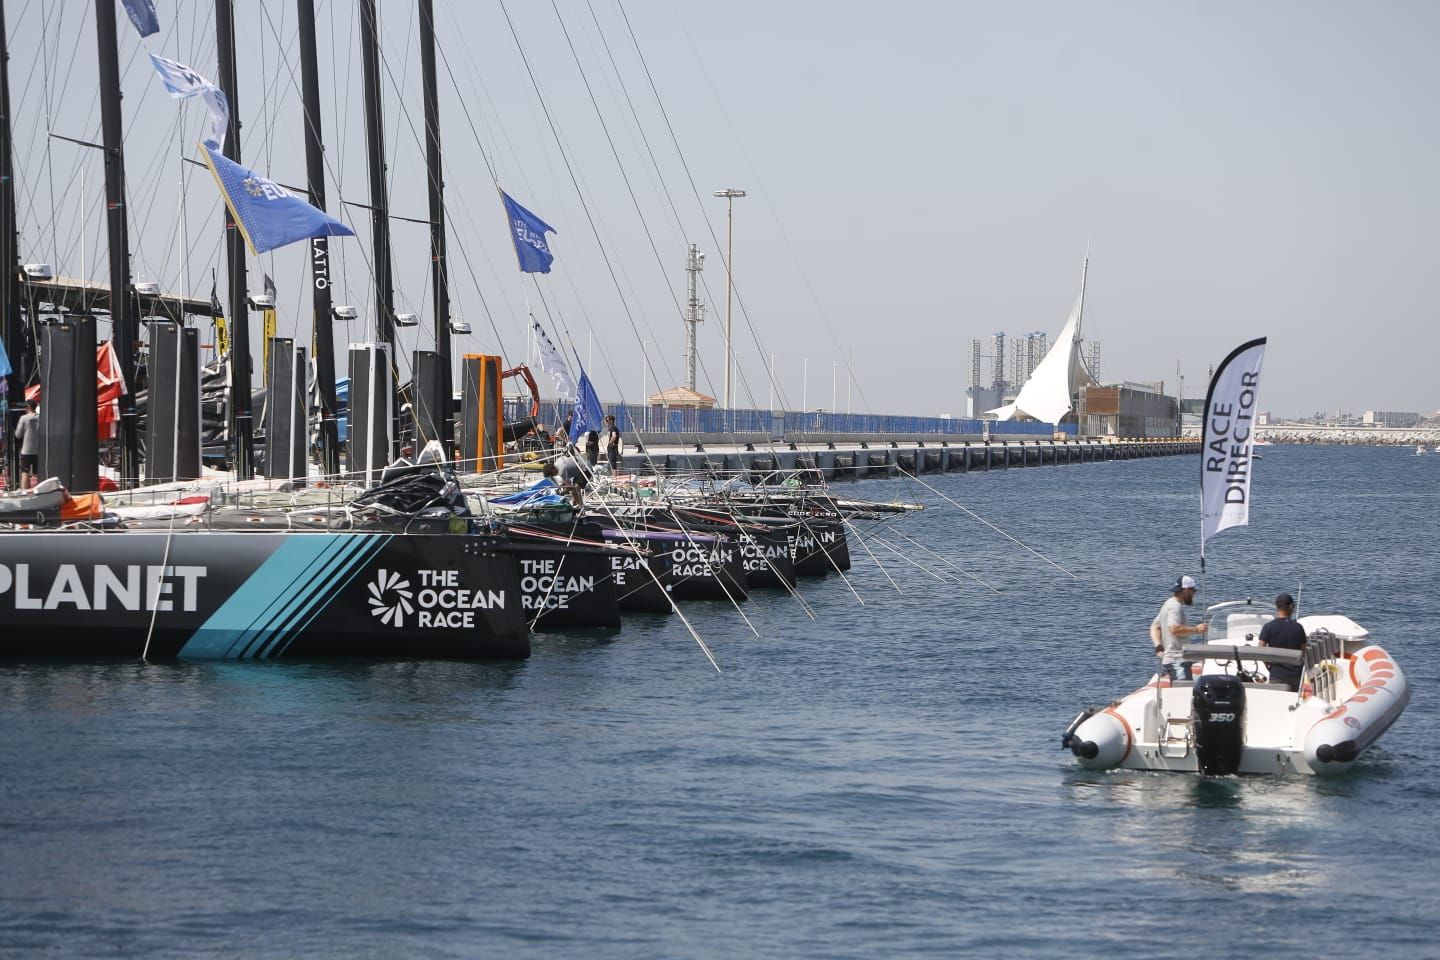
[
  {"x": 772, "y": 383},
  {"x": 644, "y": 382},
  {"x": 729, "y": 193}
]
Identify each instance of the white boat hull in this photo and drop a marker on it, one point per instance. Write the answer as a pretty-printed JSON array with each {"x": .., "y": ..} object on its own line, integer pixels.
[{"x": 1154, "y": 727}]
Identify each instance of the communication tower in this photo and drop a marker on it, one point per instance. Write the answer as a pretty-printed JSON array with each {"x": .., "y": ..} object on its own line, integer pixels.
[{"x": 694, "y": 311}]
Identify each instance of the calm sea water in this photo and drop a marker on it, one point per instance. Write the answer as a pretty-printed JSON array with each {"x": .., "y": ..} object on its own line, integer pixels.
[{"x": 882, "y": 781}]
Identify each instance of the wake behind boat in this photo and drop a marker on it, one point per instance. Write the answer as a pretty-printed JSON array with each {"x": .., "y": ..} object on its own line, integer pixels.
[{"x": 1231, "y": 719}]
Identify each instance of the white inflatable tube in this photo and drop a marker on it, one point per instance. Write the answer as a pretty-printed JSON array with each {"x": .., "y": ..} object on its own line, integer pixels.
[
  {"x": 1103, "y": 741},
  {"x": 1336, "y": 740}
]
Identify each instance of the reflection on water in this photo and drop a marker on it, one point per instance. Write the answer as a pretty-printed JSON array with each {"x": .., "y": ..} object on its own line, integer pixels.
[{"x": 1251, "y": 834}]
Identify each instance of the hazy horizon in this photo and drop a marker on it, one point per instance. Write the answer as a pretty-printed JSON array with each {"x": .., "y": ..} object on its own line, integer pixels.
[{"x": 919, "y": 176}]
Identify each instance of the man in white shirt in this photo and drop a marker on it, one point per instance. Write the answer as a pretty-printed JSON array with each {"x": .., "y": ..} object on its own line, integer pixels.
[{"x": 1169, "y": 629}]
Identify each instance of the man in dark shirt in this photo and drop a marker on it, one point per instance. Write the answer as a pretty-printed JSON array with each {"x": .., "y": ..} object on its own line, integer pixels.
[
  {"x": 612, "y": 444},
  {"x": 1284, "y": 632}
]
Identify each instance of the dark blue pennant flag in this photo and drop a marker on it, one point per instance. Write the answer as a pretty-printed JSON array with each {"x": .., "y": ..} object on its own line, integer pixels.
[
  {"x": 528, "y": 231},
  {"x": 587, "y": 414},
  {"x": 142, "y": 14},
  {"x": 269, "y": 215}
]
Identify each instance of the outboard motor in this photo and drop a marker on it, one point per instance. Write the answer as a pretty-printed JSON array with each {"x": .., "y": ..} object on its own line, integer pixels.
[{"x": 1218, "y": 708}]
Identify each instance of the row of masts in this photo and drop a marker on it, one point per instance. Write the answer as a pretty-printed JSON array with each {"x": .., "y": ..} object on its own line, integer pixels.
[{"x": 124, "y": 310}]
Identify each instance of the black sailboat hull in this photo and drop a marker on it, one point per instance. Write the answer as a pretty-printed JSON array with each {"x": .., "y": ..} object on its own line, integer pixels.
[
  {"x": 567, "y": 587},
  {"x": 259, "y": 595},
  {"x": 707, "y": 571},
  {"x": 820, "y": 548},
  {"x": 768, "y": 557},
  {"x": 641, "y": 582}
]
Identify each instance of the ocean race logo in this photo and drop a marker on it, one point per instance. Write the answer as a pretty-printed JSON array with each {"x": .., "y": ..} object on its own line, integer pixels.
[
  {"x": 440, "y": 601},
  {"x": 135, "y": 587},
  {"x": 543, "y": 585},
  {"x": 390, "y": 596}
]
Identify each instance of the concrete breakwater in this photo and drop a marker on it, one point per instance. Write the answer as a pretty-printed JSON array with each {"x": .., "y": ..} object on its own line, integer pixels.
[
  {"x": 885, "y": 456},
  {"x": 1352, "y": 436}
]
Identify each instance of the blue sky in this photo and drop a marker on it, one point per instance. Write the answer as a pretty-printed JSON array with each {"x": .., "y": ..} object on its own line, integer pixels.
[{"x": 920, "y": 174}]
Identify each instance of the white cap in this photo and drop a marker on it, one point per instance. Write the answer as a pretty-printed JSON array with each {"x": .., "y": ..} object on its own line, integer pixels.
[{"x": 1184, "y": 583}]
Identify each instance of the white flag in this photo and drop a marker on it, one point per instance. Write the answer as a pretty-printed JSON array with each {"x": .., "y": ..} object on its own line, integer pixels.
[
  {"x": 552, "y": 361},
  {"x": 183, "y": 83},
  {"x": 1228, "y": 436}
]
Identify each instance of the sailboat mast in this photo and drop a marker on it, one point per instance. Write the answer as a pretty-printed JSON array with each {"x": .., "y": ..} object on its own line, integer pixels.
[
  {"x": 439, "y": 268},
  {"x": 123, "y": 320},
  {"x": 434, "y": 175},
  {"x": 375, "y": 149},
  {"x": 241, "y": 426},
  {"x": 10, "y": 326},
  {"x": 324, "y": 341}
]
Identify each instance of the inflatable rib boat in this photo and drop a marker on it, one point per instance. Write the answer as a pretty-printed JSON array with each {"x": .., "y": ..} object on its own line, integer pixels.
[{"x": 1231, "y": 719}]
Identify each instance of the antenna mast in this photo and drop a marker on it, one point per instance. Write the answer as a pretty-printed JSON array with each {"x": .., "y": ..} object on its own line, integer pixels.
[{"x": 694, "y": 311}]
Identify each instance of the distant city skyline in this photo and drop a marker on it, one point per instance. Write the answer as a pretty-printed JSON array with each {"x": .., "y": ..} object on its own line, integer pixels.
[{"x": 918, "y": 176}]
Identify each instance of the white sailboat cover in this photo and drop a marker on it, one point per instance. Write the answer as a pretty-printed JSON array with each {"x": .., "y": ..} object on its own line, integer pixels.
[
  {"x": 1049, "y": 393},
  {"x": 1229, "y": 435}
]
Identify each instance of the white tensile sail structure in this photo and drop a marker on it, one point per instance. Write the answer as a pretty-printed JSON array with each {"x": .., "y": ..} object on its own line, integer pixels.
[{"x": 1049, "y": 393}]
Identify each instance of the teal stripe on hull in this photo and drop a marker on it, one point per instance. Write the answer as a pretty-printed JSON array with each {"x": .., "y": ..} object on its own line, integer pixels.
[
  {"x": 341, "y": 580},
  {"x": 275, "y": 595},
  {"x": 354, "y": 551}
]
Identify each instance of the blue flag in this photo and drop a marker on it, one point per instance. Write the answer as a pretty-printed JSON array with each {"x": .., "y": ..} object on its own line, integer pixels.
[
  {"x": 142, "y": 14},
  {"x": 528, "y": 231},
  {"x": 269, "y": 215},
  {"x": 5, "y": 370},
  {"x": 587, "y": 414}
]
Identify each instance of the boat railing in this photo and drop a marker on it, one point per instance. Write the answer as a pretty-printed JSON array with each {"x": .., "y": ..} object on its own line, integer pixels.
[{"x": 1323, "y": 653}]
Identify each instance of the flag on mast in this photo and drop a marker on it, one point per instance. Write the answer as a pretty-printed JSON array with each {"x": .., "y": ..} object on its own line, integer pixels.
[
  {"x": 528, "y": 232},
  {"x": 552, "y": 361},
  {"x": 217, "y": 316},
  {"x": 587, "y": 414},
  {"x": 1227, "y": 438},
  {"x": 267, "y": 328},
  {"x": 142, "y": 14},
  {"x": 268, "y": 215},
  {"x": 184, "y": 83}
]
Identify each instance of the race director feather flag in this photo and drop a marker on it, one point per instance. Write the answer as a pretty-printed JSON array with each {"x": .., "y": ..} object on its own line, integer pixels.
[
  {"x": 1228, "y": 439},
  {"x": 528, "y": 231},
  {"x": 268, "y": 215}
]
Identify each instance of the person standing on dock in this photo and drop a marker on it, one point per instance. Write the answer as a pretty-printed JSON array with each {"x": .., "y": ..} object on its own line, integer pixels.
[
  {"x": 612, "y": 444},
  {"x": 1169, "y": 629},
  {"x": 27, "y": 434},
  {"x": 1284, "y": 632}
]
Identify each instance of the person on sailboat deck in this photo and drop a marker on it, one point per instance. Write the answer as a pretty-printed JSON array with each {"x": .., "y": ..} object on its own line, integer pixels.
[
  {"x": 571, "y": 477},
  {"x": 1169, "y": 629},
  {"x": 1284, "y": 631},
  {"x": 27, "y": 434}
]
